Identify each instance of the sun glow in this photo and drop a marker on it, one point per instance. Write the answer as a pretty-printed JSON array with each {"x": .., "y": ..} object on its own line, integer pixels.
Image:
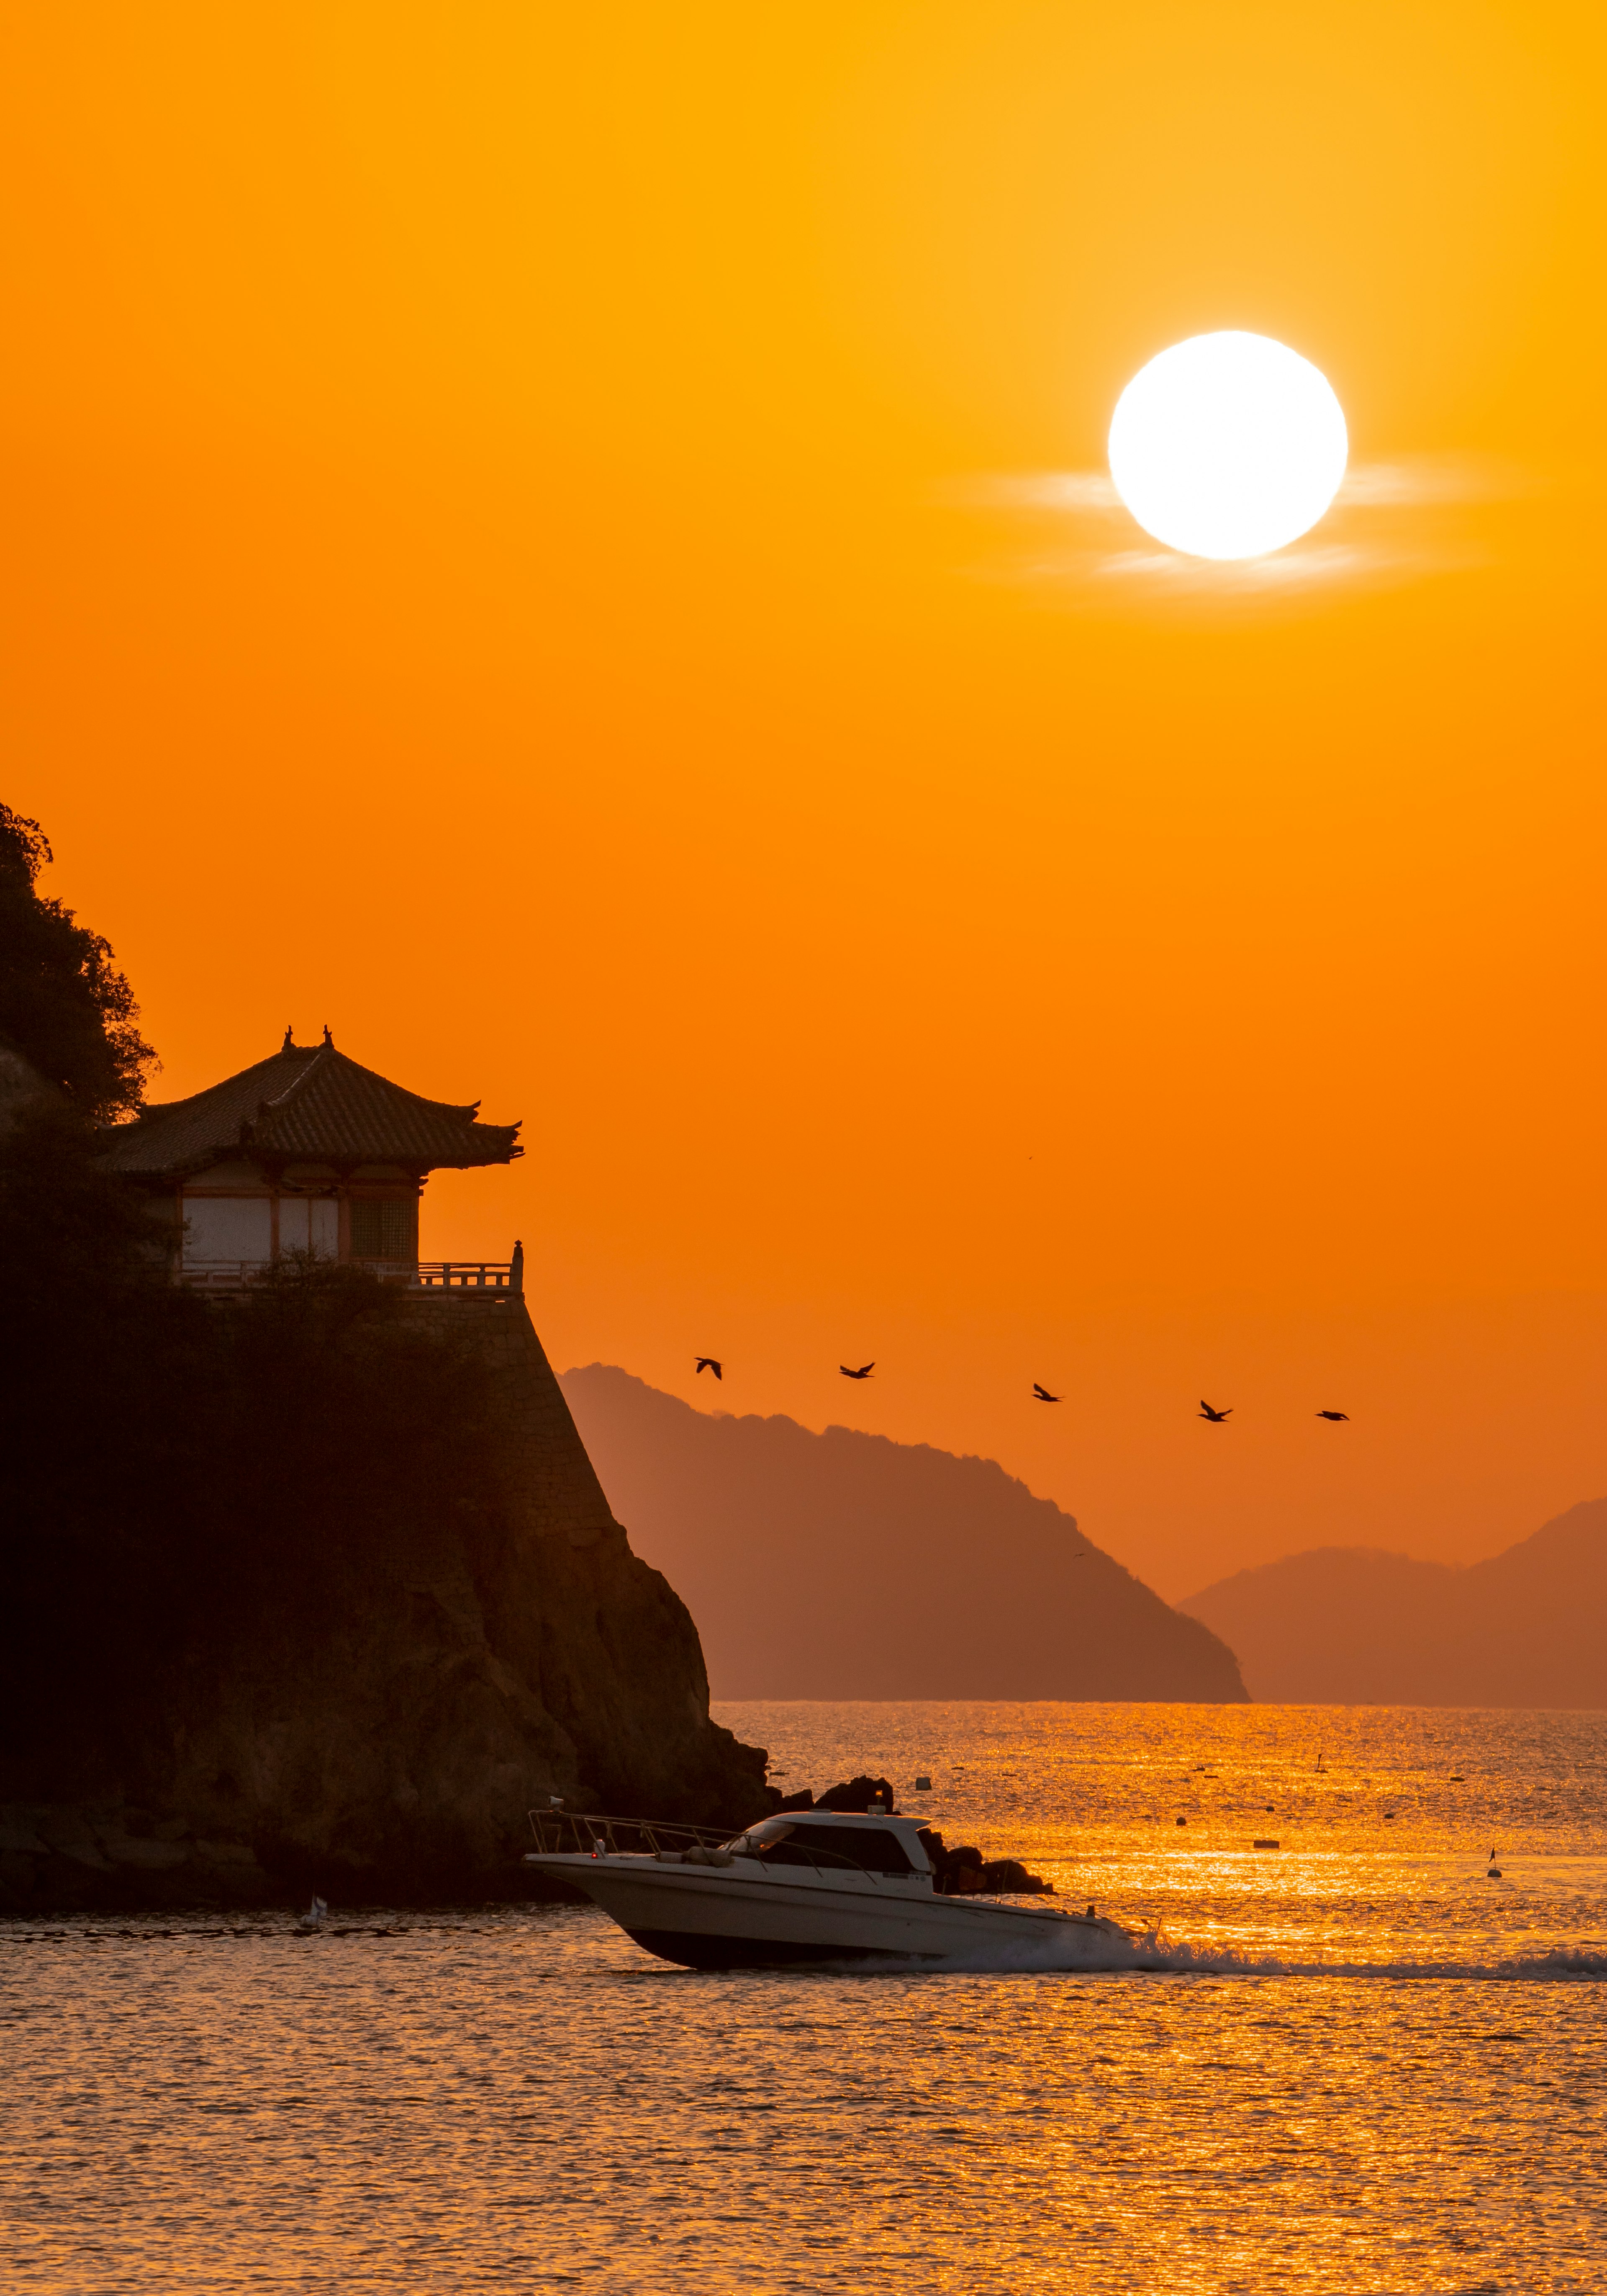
[{"x": 1227, "y": 446}]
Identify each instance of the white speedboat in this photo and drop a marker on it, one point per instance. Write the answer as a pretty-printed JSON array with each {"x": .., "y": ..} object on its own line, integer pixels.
[{"x": 809, "y": 1886}]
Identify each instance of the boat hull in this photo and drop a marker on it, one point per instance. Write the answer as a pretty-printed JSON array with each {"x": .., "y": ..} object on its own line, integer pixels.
[
  {"x": 701, "y": 1949},
  {"x": 707, "y": 1918}
]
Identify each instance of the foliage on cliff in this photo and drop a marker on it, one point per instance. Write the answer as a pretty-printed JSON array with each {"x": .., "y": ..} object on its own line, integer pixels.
[{"x": 63, "y": 1002}]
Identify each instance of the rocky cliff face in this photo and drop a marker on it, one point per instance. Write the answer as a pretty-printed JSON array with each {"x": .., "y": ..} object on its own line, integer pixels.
[{"x": 378, "y": 1726}]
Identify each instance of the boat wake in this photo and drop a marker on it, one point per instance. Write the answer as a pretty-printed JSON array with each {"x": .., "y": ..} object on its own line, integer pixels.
[
  {"x": 1153, "y": 1953},
  {"x": 1561, "y": 1965}
]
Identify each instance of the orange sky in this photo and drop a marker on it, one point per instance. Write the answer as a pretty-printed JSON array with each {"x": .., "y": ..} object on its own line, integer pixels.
[{"x": 544, "y": 544}]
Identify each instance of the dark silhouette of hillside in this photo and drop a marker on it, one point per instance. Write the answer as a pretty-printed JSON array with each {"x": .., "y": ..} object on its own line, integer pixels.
[
  {"x": 1354, "y": 1625},
  {"x": 842, "y": 1565}
]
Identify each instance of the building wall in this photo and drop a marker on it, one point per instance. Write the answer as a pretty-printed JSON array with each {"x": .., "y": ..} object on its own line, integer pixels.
[
  {"x": 232, "y": 1212},
  {"x": 227, "y": 1227},
  {"x": 309, "y": 1224}
]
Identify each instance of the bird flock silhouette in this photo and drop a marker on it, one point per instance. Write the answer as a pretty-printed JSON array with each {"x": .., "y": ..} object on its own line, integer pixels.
[{"x": 1041, "y": 1394}]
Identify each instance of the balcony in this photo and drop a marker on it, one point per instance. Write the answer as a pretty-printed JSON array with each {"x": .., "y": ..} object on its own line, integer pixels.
[
  {"x": 463, "y": 1274},
  {"x": 423, "y": 1277}
]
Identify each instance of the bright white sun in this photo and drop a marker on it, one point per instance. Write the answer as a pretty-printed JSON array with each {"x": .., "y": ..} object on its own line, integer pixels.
[{"x": 1227, "y": 446}]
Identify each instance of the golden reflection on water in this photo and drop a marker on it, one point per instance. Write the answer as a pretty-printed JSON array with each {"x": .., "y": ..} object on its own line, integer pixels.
[{"x": 521, "y": 2100}]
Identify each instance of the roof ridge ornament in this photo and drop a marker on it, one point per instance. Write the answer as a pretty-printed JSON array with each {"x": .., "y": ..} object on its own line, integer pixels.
[
  {"x": 289, "y": 1045},
  {"x": 328, "y": 1039}
]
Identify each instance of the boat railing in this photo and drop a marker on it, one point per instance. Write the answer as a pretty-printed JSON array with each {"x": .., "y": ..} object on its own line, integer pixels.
[{"x": 569, "y": 1833}]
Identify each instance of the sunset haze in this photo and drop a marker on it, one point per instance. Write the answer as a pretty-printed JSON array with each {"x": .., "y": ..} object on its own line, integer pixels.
[{"x": 575, "y": 549}]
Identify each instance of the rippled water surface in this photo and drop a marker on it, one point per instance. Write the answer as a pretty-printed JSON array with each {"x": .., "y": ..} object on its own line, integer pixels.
[{"x": 1352, "y": 2064}]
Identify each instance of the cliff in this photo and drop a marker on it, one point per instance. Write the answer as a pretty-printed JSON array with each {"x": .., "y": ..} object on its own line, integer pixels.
[
  {"x": 842, "y": 1565},
  {"x": 340, "y": 1676},
  {"x": 1354, "y": 1625}
]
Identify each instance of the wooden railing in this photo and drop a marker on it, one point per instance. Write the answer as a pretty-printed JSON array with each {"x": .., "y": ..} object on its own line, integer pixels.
[
  {"x": 218, "y": 1275},
  {"x": 465, "y": 1276},
  {"x": 505, "y": 1276}
]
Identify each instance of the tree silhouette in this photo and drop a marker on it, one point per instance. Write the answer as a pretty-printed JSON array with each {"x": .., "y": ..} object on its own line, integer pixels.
[{"x": 64, "y": 1006}]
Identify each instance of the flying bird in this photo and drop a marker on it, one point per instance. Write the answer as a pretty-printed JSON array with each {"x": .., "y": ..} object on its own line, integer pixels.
[
  {"x": 1216, "y": 1417},
  {"x": 708, "y": 1363},
  {"x": 1333, "y": 1414},
  {"x": 1042, "y": 1394},
  {"x": 864, "y": 1370}
]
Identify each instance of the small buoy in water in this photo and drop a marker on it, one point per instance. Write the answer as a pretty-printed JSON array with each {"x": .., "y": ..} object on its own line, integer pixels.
[
  {"x": 924, "y": 1785},
  {"x": 1262, "y": 1842},
  {"x": 1494, "y": 1874},
  {"x": 1183, "y": 1821}
]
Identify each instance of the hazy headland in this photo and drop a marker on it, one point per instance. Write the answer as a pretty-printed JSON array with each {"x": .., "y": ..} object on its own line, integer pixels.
[
  {"x": 1355, "y": 1625},
  {"x": 845, "y": 1565}
]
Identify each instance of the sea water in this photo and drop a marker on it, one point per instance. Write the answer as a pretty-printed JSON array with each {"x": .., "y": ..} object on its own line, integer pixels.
[{"x": 1355, "y": 2062}]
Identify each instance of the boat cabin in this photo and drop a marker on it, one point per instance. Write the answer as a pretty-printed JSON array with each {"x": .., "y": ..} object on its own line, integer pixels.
[
  {"x": 822, "y": 1838},
  {"x": 306, "y": 1152}
]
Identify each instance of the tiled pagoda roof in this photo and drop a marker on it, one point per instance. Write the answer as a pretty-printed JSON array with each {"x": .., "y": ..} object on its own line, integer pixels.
[{"x": 309, "y": 1103}]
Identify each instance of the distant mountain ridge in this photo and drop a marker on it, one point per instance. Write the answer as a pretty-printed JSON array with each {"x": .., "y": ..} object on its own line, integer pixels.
[
  {"x": 1356, "y": 1626},
  {"x": 844, "y": 1565}
]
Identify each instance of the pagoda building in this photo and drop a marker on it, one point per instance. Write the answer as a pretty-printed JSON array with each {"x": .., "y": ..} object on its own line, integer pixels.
[{"x": 306, "y": 1152}]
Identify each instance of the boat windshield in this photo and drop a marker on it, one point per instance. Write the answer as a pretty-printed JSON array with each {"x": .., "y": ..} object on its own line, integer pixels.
[
  {"x": 759, "y": 1837},
  {"x": 779, "y": 1842}
]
